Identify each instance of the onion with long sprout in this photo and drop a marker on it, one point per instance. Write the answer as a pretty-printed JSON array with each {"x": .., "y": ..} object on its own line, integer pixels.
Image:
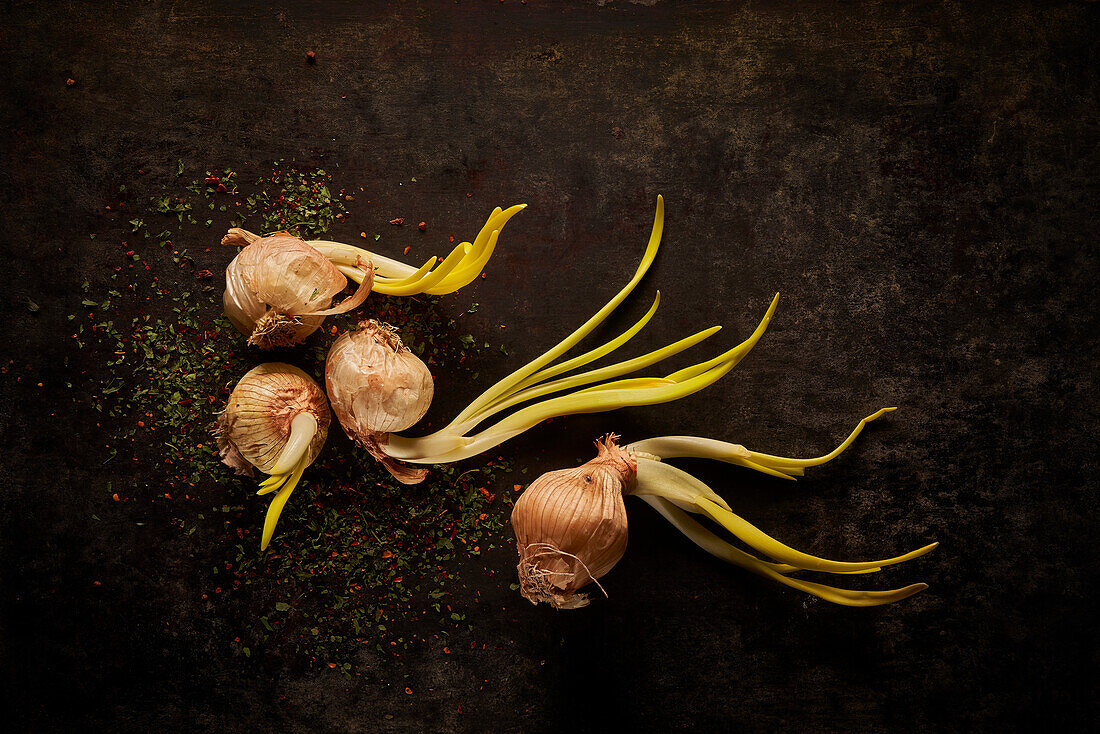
[
  {"x": 571, "y": 528},
  {"x": 350, "y": 375},
  {"x": 276, "y": 421},
  {"x": 279, "y": 288}
]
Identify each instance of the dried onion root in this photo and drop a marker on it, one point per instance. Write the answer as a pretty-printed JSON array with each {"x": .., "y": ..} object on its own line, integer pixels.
[
  {"x": 535, "y": 380},
  {"x": 547, "y": 536},
  {"x": 276, "y": 421}
]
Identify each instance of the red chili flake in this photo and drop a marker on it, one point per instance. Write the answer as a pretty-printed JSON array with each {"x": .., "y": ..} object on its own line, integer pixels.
[
  {"x": 422, "y": 226},
  {"x": 70, "y": 81},
  {"x": 331, "y": 665},
  {"x": 398, "y": 221},
  {"x": 407, "y": 249},
  {"x": 203, "y": 275},
  {"x": 221, "y": 188},
  {"x": 312, "y": 56},
  {"x": 97, "y": 583},
  {"x": 363, "y": 235},
  {"x": 447, "y": 651},
  {"x": 213, "y": 180},
  {"x": 141, "y": 424},
  {"x": 409, "y": 691},
  {"x": 115, "y": 497},
  {"x": 398, "y": 579}
]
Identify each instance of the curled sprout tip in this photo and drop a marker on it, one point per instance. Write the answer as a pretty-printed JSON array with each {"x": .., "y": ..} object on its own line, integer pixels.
[{"x": 464, "y": 263}]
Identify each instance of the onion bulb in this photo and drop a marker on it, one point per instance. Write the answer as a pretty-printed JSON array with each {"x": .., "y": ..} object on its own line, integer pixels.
[
  {"x": 278, "y": 289},
  {"x": 570, "y": 527},
  {"x": 276, "y": 421},
  {"x": 566, "y": 538},
  {"x": 377, "y": 386}
]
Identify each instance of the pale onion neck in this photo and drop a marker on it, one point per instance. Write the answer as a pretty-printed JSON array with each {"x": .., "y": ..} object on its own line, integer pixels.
[{"x": 303, "y": 427}]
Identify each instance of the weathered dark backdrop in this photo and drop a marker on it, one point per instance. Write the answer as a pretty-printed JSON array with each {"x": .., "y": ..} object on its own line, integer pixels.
[{"x": 920, "y": 184}]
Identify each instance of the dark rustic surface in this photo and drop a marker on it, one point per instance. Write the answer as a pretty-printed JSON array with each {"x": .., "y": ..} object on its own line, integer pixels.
[{"x": 920, "y": 184}]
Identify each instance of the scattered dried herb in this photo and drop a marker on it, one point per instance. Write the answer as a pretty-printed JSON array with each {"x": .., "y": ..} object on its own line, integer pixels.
[{"x": 363, "y": 561}]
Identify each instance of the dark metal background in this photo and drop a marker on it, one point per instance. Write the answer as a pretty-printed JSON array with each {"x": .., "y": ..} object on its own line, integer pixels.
[{"x": 920, "y": 184}]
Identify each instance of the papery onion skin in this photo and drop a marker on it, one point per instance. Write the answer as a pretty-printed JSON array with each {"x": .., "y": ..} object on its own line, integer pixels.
[
  {"x": 255, "y": 426},
  {"x": 375, "y": 383},
  {"x": 377, "y": 387},
  {"x": 272, "y": 286},
  {"x": 571, "y": 526}
]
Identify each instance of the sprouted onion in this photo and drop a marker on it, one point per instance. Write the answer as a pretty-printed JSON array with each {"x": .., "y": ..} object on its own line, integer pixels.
[
  {"x": 348, "y": 375},
  {"x": 571, "y": 529},
  {"x": 279, "y": 288},
  {"x": 276, "y": 421}
]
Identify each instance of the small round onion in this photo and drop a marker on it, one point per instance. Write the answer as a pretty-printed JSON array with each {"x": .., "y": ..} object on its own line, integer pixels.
[
  {"x": 377, "y": 387},
  {"x": 278, "y": 289},
  {"x": 570, "y": 526},
  {"x": 255, "y": 426}
]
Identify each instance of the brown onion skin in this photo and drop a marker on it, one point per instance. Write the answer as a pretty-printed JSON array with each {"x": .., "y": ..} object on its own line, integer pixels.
[
  {"x": 571, "y": 527},
  {"x": 255, "y": 426}
]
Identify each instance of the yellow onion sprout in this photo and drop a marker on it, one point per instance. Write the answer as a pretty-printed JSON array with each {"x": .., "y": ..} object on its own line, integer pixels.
[
  {"x": 394, "y": 278},
  {"x": 276, "y": 421},
  {"x": 540, "y": 378}
]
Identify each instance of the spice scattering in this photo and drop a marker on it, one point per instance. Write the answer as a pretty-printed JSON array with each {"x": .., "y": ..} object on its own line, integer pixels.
[{"x": 363, "y": 561}]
